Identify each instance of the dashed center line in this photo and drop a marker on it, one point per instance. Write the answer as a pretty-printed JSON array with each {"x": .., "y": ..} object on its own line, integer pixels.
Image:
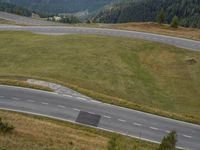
[
  {"x": 95, "y": 101},
  {"x": 167, "y": 131},
  {"x": 121, "y": 120},
  {"x": 153, "y": 128},
  {"x": 76, "y": 109},
  {"x": 68, "y": 95},
  {"x": 187, "y": 136},
  {"x": 91, "y": 113},
  {"x": 81, "y": 98},
  {"x": 61, "y": 106},
  {"x": 107, "y": 116},
  {"x": 137, "y": 124},
  {"x": 43, "y": 103},
  {"x": 31, "y": 101},
  {"x": 15, "y": 98}
]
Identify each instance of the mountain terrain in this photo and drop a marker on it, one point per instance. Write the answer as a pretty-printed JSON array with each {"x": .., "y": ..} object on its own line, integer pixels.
[
  {"x": 60, "y": 6},
  {"x": 188, "y": 11},
  {"x": 112, "y": 11}
]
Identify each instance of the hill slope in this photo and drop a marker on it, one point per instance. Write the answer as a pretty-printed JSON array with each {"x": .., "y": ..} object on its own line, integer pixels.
[
  {"x": 138, "y": 74},
  {"x": 147, "y": 10}
]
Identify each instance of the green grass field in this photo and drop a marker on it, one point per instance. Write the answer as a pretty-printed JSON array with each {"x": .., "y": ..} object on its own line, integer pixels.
[
  {"x": 39, "y": 133},
  {"x": 144, "y": 75}
]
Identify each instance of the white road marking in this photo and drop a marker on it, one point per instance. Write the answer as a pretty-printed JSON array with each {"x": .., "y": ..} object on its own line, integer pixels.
[
  {"x": 81, "y": 98},
  {"x": 187, "y": 136},
  {"x": 15, "y": 98},
  {"x": 167, "y": 131},
  {"x": 1, "y": 96},
  {"x": 95, "y": 101},
  {"x": 91, "y": 113},
  {"x": 121, "y": 120},
  {"x": 107, "y": 116},
  {"x": 76, "y": 109},
  {"x": 61, "y": 106},
  {"x": 153, "y": 128},
  {"x": 137, "y": 124},
  {"x": 43, "y": 103},
  {"x": 68, "y": 95},
  {"x": 31, "y": 101}
]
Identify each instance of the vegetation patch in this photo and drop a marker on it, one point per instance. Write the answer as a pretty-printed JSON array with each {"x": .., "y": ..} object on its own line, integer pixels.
[
  {"x": 169, "y": 141},
  {"x": 191, "y": 61},
  {"x": 5, "y": 127},
  {"x": 138, "y": 74}
]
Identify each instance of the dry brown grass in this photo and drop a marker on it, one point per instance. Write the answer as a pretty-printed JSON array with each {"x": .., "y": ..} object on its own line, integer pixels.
[
  {"x": 21, "y": 83},
  {"x": 35, "y": 133},
  {"x": 4, "y": 21},
  {"x": 150, "y": 27},
  {"x": 31, "y": 133}
]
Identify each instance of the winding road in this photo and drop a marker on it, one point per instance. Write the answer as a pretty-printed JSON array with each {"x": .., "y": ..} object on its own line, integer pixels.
[
  {"x": 60, "y": 30},
  {"x": 96, "y": 114},
  {"x": 99, "y": 115}
]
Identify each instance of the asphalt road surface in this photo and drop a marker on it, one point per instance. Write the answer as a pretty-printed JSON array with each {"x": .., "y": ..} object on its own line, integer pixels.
[
  {"x": 59, "y": 30},
  {"x": 99, "y": 115}
]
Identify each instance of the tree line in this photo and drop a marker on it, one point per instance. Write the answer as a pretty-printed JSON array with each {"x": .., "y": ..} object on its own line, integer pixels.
[
  {"x": 60, "y": 6},
  {"x": 147, "y": 10},
  {"x": 11, "y": 8}
]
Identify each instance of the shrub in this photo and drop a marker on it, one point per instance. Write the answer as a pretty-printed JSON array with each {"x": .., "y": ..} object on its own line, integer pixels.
[
  {"x": 5, "y": 127},
  {"x": 112, "y": 144},
  {"x": 174, "y": 23},
  {"x": 169, "y": 142}
]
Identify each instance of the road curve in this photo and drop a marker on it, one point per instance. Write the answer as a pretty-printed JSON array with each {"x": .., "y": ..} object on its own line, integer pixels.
[
  {"x": 108, "y": 117},
  {"x": 18, "y": 19},
  {"x": 59, "y": 30}
]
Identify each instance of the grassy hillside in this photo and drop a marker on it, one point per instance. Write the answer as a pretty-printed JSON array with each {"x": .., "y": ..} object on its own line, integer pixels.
[
  {"x": 40, "y": 133},
  {"x": 148, "y": 76}
]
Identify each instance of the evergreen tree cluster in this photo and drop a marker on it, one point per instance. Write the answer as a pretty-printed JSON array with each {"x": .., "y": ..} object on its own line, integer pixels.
[
  {"x": 188, "y": 11},
  {"x": 11, "y": 8}
]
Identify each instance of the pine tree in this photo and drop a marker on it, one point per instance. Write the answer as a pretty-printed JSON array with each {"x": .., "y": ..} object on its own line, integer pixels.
[
  {"x": 174, "y": 22},
  {"x": 161, "y": 18},
  {"x": 169, "y": 142}
]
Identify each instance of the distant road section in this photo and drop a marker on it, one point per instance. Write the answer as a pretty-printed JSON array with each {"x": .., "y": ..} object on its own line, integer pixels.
[
  {"x": 25, "y": 20},
  {"x": 60, "y": 30}
]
